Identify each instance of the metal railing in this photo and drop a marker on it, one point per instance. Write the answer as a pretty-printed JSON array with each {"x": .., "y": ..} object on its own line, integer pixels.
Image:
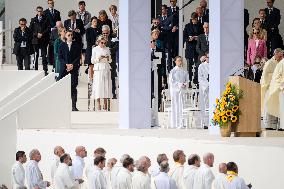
[{"x": 7, "y": 35}]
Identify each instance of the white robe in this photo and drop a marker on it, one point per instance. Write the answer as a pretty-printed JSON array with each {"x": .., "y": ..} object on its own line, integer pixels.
[
  {"x": 97, "y": 179},
  {"x": 176, "y": 173},
  {"x": 107, "y": 174},
  {"x": 34, "y": 175},
  {"x": 124, "y": 179},
  {"x": 188, "y": 175},
  {"x": 141, "y": 180},
  {"x": 63, "y": 178},
  {"x": 54, "y": 166},
  {"x": 203, "y": 178},
  {"x": 178, "y": 77},
  {"x": 203, "y": 75},
  {"x": 18, "y": 175},
  {"x": 219, "y": 180},
  {"x": 163, "y": 181},
  {"x": 114, "y": 174},
  {"x": 78, "y": 165},
  {"x": 155, "y": 170},
  {"x": 236, "y": 183},
  {"x": 102, "y": 84}
]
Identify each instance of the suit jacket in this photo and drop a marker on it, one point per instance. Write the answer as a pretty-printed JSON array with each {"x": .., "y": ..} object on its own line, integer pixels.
[
  {"x": 174, "y": 15},
  {"x": 106, "y": 22},
  {"x": 91, "y": 37},
  {"x": 19, "y": 38},
  {"x": 71, "y": 56},
  {"x": 203, "y": 19},
  {"x": 273, "y": 20},
  {"x": 189, "y": 30},
  {"x": 79, "y": 25},
  {"x": 254, "y": 51},
  {"x": 43, "y": 27},
  {"x": 53, "y": 18},
  {"x": 53, "y": 36},
  {"x": 202, "y": 45}
]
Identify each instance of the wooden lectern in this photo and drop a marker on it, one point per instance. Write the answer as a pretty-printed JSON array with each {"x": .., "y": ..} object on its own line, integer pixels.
[{"x": 250, "y": 106}]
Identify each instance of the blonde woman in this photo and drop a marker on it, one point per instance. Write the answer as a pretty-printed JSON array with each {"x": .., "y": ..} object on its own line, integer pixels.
[
  {"x": 102, "y": 87},
  {"x": 256, "y": 24}
]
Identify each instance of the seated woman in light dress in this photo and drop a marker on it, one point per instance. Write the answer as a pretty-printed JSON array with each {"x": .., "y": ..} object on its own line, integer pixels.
[{"x": 102, "y": 76}]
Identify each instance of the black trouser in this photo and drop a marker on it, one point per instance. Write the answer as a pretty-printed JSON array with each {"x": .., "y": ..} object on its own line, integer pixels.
[
  {"x": 43, "y": 49},
  {"x": 74, "y": 84},
  {"x": 23, "y": 56},
  {"x": 51, "y": 54},
  {"x": 190, "y": 63}
]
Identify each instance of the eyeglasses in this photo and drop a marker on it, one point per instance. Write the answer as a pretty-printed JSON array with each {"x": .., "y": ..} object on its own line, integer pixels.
[
  {"x": 255, "y": 32},
  {"x": 105, "y": 33},
  {"x": 103, "y": 43},
  {"x": 70, "y": 35}
]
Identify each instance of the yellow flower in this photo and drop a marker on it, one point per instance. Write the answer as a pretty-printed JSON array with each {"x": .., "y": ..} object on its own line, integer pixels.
[
  {"x": 224, "y": 119},
  {"x": 235, "y": 108},
  {"x": 234, "y": 119},
  {"x": 228, "y": 90},
  {"x": 232, "y": 98},
  {"x": 217, "y": 100},
  {"x": 229, "y": 113},
  {"x": 228, "y": 84},
  {"x": 222, "y": 113}
]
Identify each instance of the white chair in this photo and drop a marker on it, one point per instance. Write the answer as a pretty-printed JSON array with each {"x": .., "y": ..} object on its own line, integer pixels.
[{"x": 166, "y": 107}]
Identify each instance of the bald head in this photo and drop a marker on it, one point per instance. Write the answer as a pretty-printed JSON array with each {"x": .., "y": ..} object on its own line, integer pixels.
[
  {"x": 208, "y": 159},
  {"x": 223, "y": 168},
  {"x": 58, "y": 151},
  {"x": 81, "y": 151},
  {"x": 59, "y": 24}
]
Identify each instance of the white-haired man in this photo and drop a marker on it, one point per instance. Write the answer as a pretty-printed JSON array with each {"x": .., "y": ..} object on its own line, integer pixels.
[
  {"x": 162, "y": 180},
  {"x": 58, "y": 152},
  {"x": 141, "y": 178},
  {"x": 33, "y": 173},
  {"x": 116, "y": 169}
]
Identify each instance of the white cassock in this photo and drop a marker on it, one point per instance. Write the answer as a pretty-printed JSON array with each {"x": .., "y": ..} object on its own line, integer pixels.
[
  {"x": 155, "y": 170},
  {"x": 203, "y": 80},
  {"x": 176, "y": 173},
  {"x": 107, "y": 174},
  {"x": 177, "y": 78},
  {"x": 34, "y": 176},
  {"x": 276, "y": 87},
  {"x": 163, "y": 181},
  {"x": 102, "y": 84},
  {"x": 203, "y": 178},
  {"x": 63, "y": 178},
  {"x": 97, "y": 179},
  {"x": 219, "y": 180},
  {"x": 54, "y": 166},
  {"x": 236, "y": 183},
  {"x": 114, "y": 174},
  {"x": 18, "y": 176},
  {"x": 188, "y": 175},
  {"x": 268, "y": 69},
  {"x": 141, "y": 180},
  {"x": 124, "y": 179}
]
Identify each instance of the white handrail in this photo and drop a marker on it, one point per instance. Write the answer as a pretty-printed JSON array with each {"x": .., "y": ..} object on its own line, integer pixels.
[{"x": 8, "y": 42}]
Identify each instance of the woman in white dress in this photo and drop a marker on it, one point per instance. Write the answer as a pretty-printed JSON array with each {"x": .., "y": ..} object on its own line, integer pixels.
[{"x": 102, "y": 76}]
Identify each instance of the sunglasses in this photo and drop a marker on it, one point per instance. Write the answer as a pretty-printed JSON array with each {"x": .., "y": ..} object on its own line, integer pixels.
[
  {"x": 256, "y": 33},
  {"x": 103, "y": 43},
  {"x": 70, "y": 35}
]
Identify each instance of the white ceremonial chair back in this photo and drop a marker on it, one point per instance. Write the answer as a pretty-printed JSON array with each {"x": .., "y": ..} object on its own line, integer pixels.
[{"x": 166, "y": 105}]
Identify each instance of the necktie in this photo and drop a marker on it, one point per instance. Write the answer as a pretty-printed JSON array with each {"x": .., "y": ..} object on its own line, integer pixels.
[
  {"x": 174, "y": 9},
  {"x": 164, "y": 18},
  {"x": 73, "y": 26},
  {"x": 270, "y": 10},
  {"x": 207, "y": 42},
  {"x": 52, "y": 12}
]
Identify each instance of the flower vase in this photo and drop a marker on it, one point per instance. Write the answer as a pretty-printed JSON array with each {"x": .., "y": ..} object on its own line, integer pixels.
[{"x": 226, "y": 129}]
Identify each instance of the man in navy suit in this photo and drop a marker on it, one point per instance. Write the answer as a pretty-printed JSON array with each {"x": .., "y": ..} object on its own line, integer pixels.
[
  {"x": 190, "y": 35},
  {"x": 76, "y": 25},
  {"x": 69, "y": 57},
  {"x": 203, "y": 5},
  {"x": 53, "y": 15}
]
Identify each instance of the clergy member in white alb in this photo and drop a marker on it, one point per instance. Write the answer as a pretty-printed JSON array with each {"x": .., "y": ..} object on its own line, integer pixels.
[
  {"x": 58, "y": 152},
  {"x": 204, "y": 176},
  {"x": 63, "y": 178},
  {"x": 190, "y": 170},
  {"x": 78, "y": 162},
  {"x": 233, "y": 181},
  {"x": 162, "y": 180},
  {"x": 18, "y": 171},
  {"x": 96, "y": 178},
  {"x": 155, "y": 170},
  {"x": 178, "y": 82},
  {"x": 141, "y": 178},
  {"x": 276, "y": 89},
  {"x": 33, "y": 173},
  {"x": 218, "y": 182},
  {"x": 107, "y": 171},
  {"x": 115, "y": 170},
  {"x": 203, "y": 80},
  {"x": 124, "y": 177},
  {"x": 270, "y": 122},
  {"x": 176, "y": 172}
]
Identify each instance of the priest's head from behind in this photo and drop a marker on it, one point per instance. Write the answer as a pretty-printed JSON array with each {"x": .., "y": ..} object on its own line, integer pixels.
[
  {"x": 161, "y": 158},
  {"x": 65, "y": 158},
  {"x": 100, "y": 162},
  {"x": 99, "y": 152},
  {"x": 194, "y": 160},
  {"x": 208, "y": 159},
  {"x": 35, "y": 155},
  {"x": 21, "y": 157},
  {"x": 179, "y": 157},
  {"x": 128, "y": 163},
  {"x": 232, "y": 166},
  {"x": 178, "y": 61}
]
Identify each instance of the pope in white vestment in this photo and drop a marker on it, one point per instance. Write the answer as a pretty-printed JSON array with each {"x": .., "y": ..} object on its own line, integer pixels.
[
  {"x": 34, "y": 176},
  {"x": 276, "y": 86},
  {"x": 219, "y": 180},
  {"x": 141, "y": 180},
  {"x": 203, "y": 178},
  {"x": 97, "y": 179},
  {"x": 163, "y": 181},
  {"x": 124, "y": 179},
  {"x": 178, "y": 82},
  {"x": 189, "y": 173},
  {"x": 203, "y": 80},
  {"x": 176, "y": 173},
  {"x": 63, "y": 178},
  {"x": 18, "y": 176}
]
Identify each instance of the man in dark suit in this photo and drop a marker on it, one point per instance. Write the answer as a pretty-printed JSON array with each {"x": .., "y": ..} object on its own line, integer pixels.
[
  {"x": 200, "y": 15},
  {"x": 53, "y": 15},
  {"x": 262, "y": 18},
  {"x": 23, "y": 44},
  {"x": 69, "y": 56},
  {"x": 246, "y": 36},
  {"x": 76, "y": 25},
  {"x": 203, "y": 4},
  {"x": 190, "y": 35},
  {"x": 173, "y": 11},
  {"x": 202, "y": 46},
  {"x": 40, "y": 28}
]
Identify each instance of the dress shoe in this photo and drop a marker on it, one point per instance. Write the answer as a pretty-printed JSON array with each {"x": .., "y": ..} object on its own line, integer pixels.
[
  {"x": 74, "y": 109},
  {"x": 45, "y": 73},
  {"x": 205, "y": 127},
  {"x": 280, "y": 129},
  {"x": 270, "y": 129}
]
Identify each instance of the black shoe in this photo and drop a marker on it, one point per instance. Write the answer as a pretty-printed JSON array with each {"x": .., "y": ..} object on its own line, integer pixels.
[
  {"x": 205, "y": 127},
  {"x": 270, "y": 129},
  {"x": 75, "y": 109},
  {"x": 280, "y": 129},
  {"x": 45, "y": 73}
]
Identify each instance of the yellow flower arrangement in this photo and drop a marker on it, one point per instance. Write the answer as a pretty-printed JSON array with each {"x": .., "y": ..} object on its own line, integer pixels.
[{"x": 227, "y": 107}]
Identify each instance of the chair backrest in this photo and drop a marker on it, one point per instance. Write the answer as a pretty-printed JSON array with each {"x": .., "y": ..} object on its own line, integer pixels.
[{"x": 191, "y": 98}]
